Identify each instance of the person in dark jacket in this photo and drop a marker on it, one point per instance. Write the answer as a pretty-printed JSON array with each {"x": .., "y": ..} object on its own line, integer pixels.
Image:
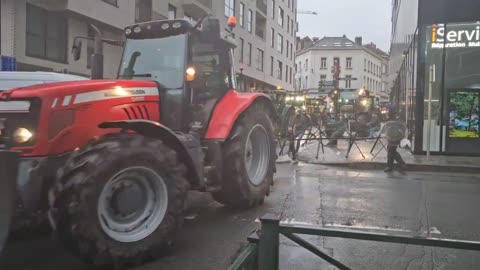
[{"x": 300, "y": 125}]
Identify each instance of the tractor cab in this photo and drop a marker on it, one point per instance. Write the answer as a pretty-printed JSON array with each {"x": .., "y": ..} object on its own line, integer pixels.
[{"x": 192, "y": 67}]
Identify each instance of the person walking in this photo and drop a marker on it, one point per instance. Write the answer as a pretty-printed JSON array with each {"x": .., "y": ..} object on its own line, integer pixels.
[
  {"x": 300, "y": 125},
  {"x": 395, "y": 131}
]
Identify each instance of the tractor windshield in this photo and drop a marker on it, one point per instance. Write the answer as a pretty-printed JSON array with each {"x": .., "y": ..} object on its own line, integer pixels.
[{"x": 160, "y": 59}]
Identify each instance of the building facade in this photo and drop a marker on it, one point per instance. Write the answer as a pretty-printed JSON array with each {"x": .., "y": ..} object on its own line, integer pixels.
[
  {"x": 361, "y": 66},
  {"x": 435, "y": 79},
  {"x": 40, "y": 33}
]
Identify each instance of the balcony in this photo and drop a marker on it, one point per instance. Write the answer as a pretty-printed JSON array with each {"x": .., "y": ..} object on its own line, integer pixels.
[
  {"x": 197, "y": 8},
  {"x": 262, "y": 7},
  {"x": 53, "y": 5},
  {"x": 260, "y": 26}
]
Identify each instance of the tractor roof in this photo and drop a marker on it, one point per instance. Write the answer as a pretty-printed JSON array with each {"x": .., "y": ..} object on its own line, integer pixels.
[{"x": 158, "y": 29}]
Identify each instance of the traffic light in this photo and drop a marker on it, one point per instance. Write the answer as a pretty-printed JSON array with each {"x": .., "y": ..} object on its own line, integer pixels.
[{"x": 321, "y": 84}]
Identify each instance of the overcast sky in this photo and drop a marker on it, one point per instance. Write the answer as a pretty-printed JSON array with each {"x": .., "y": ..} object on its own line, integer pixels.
[{"x": 370, "y": 19}]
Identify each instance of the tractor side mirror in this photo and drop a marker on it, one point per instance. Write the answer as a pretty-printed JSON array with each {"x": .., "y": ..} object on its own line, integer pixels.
[{"x": 76, "y": 49}]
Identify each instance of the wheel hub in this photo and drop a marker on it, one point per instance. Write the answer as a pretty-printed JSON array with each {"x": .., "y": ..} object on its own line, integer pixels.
[
  {"x": 132, "y": 204},
  {"x": 128, "y": 199},
  {"x": 257, "y": 154}
]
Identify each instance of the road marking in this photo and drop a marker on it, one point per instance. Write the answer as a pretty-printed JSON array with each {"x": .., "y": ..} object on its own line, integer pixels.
[
  {"x": 364, "y": 227},
  {"x": 292, "y": 221},
  {"x": 434, "y": 230}
]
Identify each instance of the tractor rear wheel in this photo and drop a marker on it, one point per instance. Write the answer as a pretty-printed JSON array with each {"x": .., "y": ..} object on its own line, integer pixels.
[
  {"x": 119, "y": 200},
  {"x": 249, "y": 160}
]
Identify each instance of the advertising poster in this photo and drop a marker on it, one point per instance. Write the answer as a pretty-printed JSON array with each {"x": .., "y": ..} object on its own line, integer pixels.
[{"x": 463, "y": 115}]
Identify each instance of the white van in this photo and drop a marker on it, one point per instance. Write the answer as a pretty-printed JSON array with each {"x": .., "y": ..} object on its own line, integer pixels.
[{"x": 9, "y": 79}]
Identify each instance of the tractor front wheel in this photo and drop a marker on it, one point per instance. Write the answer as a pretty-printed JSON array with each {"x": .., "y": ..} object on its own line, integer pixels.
[
  {"x": 249, "y": 160},
  {"x": 120, "y": 200}
]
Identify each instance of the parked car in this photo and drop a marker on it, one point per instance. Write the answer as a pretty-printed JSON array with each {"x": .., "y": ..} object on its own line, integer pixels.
[{"x": 9, "y": 80}]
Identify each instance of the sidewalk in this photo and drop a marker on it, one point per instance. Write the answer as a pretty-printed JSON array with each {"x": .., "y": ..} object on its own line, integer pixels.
[{"x": 335, "y": 156}]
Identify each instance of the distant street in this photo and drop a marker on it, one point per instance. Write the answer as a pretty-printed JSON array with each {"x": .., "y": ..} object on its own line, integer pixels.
[{"x": 442, "y": 204}]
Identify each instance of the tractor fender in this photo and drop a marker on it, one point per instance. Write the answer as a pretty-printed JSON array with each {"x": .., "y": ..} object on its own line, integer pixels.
[
  {"x": 191, "y": 155},
  {"x": 229, "y": 109}
]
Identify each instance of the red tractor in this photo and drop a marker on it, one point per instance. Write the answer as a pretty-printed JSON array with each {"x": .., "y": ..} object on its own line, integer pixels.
[{"x": 111, "y": 161}]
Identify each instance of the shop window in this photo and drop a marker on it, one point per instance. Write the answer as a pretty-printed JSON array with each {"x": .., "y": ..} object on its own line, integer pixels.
[{"x": 46, "y": 34}]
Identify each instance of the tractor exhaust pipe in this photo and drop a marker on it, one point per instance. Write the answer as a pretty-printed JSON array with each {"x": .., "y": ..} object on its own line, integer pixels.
[
  {"x": 8, "y": 176},
  {"x": 97, "y": 56}
]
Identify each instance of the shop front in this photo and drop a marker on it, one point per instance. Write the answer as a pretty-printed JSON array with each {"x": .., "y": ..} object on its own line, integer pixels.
[{"x": 452, "y": 89}]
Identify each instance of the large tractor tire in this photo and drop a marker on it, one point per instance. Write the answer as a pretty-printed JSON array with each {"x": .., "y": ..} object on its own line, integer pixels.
[
  {"x": 8, "y": 175},
  {"x": 119, "y": 201},
  {"x": 249, "y": 160}
]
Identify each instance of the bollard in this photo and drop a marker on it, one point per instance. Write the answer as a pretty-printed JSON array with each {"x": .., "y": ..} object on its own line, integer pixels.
[
  {"x": 269, "y": 248},
  {"x": 8, "y": 175}
]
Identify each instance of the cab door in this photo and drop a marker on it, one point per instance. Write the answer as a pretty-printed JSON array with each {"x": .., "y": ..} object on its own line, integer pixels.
[{"x": 213, "y": 78}]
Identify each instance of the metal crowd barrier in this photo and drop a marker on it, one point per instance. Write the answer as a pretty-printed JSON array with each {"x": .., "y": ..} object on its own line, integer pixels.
[{"x": 262, "y": 252}]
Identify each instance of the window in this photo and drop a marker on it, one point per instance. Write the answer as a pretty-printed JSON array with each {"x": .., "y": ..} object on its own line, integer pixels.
[
  {"x": 272, "y": 62},
  {"x": 280, "y": 43},
  {"x": 306, "y": 65},
  {"x": 289, "y": 1},
  {"x": 249, "y": 54},
  {"x": 293, "y": 5},
  {"x": 229, "y": 8},
  {"x": 365, "y": 65},
  {"x": 273, "y": 9},
  {"x": 279, "y": 70},
  {"x": 242, "y": 49},
  {"x": 348, "y": 81},
  {"x": 288, "y": 47},
  {"x": 286, "y": 73},
  {"x": 242, "y": 14},
  {"x": 292, "y": 26},
  {"x": 349, "y": 63},
  {"x": 291, "y": 51},
  {"x": 172, "y": 12},
  {"x": 288, "y": 24},
  {"x": 306, "y": 82},
  {"x": 273, "y": 38},
  {"x": 280, "y": 16},
  {"x": 260, "y": 59},
  {"x": 46, "y": 34},
  {"x": 291, "y": 75},
  {"x": 111, "y": 2},
  {"x": 323, "y": 63},
  {"x": 323, "y": 77},
  {"x": 249, "y": 22},
  {"x": 143, "y": 10}
]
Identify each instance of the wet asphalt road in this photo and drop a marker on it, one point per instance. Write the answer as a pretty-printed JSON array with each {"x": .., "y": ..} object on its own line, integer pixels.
[{"x": 443, "y": 204}]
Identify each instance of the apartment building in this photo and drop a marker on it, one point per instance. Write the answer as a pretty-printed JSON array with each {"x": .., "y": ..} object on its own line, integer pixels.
[
  {"x": 360, "y": 66},
  {"x": 39, "y": 33}
]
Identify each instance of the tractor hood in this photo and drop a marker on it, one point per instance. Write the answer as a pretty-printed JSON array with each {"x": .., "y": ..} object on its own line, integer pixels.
[{"x": 71, "y": 88}]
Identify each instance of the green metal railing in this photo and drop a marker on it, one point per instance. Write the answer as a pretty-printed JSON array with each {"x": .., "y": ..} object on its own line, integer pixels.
[{"x": 263, "y": 250}]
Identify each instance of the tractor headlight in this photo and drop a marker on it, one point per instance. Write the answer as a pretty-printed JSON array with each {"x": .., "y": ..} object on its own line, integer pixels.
[
  {"x": 165, "y": 26},
  {"x": 22, "y": 135},
  {"x": 364, "y": 102}
]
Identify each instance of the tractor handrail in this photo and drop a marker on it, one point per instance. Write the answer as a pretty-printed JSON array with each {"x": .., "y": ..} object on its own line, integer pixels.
[{"x": 268, "y": 246}]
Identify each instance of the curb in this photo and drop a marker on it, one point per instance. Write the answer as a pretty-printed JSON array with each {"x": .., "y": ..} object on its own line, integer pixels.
[{"x": 410, "y": 167}]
